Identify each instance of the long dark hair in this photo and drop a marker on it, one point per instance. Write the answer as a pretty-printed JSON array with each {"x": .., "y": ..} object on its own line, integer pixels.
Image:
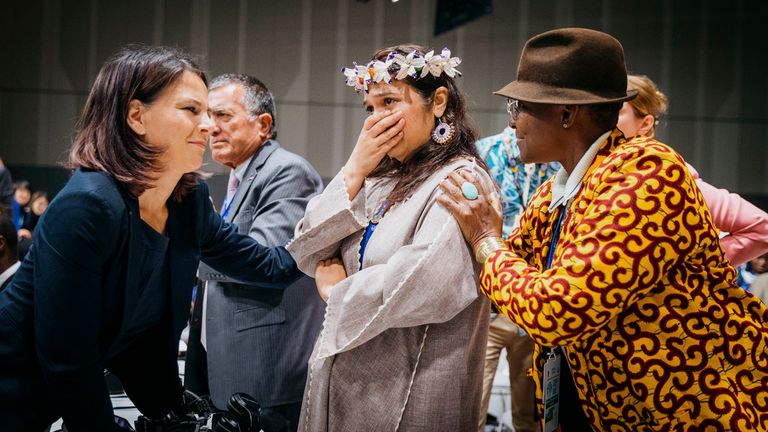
[
  {"x": 104, "y": 141},
  {"x": 431, "y": 156}
]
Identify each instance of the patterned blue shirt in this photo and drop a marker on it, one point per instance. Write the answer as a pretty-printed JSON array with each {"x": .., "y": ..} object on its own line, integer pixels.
[{"x": 502, "y": 155}]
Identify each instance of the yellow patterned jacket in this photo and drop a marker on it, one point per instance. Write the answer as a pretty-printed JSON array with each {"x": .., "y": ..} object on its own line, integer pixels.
[{"x": 658, "y": 336}]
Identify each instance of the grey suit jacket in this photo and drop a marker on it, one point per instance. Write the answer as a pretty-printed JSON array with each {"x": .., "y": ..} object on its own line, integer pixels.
[{"x": 259, "y": 339}]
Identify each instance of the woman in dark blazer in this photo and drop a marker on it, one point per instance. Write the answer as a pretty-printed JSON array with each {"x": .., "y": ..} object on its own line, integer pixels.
[{"x": 107, "y": 282}]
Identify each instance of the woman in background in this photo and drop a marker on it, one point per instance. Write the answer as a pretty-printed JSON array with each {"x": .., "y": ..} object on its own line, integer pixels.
[
  {"x": 21, "y": 196},
  {"x": 37, "y": 206},
  {"x": 743, "y": 227}
]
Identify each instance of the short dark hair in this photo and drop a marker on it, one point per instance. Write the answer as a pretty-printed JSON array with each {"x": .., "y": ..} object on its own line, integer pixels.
[
  {"x": 256, "y": 96},
  {"x": 22, "y": 184},
  {"x": 104, "y": 141},
  {"x": 8, "y": 231}
]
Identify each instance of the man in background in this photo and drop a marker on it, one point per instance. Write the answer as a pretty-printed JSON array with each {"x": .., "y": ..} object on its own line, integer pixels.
[
  {"x": 517, "y": 182},
  {"x": 9, "y": 261},
  {"x": 6, "y": 189},
  {"x": 256, "y": 340}
]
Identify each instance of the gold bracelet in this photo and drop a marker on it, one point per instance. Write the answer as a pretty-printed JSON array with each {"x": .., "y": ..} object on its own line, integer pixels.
[{"x": 487, "y": 247}]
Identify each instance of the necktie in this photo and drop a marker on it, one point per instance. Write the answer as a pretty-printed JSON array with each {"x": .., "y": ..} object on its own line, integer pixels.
[{"x": 232, "y": 186}]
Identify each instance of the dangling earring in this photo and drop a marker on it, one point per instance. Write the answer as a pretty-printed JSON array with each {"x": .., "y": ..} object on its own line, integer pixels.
[{"x": 443, "y": 132}]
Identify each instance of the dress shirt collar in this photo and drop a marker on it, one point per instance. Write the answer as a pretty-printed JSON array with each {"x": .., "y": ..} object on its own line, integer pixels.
[
  {"x": 239, "y": 170},
  {"x": 565, "y": 186},
  {"x": 9, "y": 272}
]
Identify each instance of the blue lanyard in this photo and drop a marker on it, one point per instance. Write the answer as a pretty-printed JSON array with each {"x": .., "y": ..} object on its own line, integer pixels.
[
  {"x": 375, "y": 219},
  {"x": 226, "y": 205},
  {"x": 555, "y": 235}
]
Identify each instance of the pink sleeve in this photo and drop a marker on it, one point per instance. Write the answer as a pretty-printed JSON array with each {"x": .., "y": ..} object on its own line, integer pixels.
[{"x": 746, "y": 225}]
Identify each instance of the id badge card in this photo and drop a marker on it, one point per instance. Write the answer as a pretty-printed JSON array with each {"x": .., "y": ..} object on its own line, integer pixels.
[{"x": 551, "y": 385}]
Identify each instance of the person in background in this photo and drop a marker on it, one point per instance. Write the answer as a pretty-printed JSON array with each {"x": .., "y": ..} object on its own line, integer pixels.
[
  {"x": 108, "y": 280},
  {"x": 402, "y": 344},
  {"x": 257, "y": 340},
  {"x": 37, "y": 206},
  {"x": 6, "y": 189},
  {"x": 517, "y": 182},
  {"x": 616, "y": 270},
  {"x": 754, "y": 277},
  {"x": 744, "y": 227},
  {"x": 20, "y": 205},
  {"x": 9, "y": 261}
]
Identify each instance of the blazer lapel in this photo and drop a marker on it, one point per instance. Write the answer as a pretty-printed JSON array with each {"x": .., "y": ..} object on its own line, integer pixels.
[
  {"x": 135, "y": 257},
  {"x": 257, "y": 161}
]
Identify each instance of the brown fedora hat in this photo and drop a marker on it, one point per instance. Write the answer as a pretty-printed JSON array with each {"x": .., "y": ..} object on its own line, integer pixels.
[{"x": 570, "y": 66}]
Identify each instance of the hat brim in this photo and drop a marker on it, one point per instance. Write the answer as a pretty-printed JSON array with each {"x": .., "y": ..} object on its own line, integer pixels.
[{"x": 540, "y": 93}]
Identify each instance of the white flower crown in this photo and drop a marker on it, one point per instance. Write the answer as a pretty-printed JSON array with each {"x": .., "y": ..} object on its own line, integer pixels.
[{"x": 414, "y": 65}]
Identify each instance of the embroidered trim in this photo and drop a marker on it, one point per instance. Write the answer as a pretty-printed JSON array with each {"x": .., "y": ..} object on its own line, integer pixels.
[{"x": 413, "y": 377}]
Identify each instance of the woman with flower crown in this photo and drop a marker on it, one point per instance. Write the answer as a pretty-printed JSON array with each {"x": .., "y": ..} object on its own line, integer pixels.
[{"x": 403, "y": 340}]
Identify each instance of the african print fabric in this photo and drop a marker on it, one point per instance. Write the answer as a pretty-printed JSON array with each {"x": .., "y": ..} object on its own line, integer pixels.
[{"x": 658, "y": 335}]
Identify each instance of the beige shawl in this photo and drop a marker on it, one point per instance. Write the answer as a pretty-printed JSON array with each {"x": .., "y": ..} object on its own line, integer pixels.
[{"x": 403, "y": 342}]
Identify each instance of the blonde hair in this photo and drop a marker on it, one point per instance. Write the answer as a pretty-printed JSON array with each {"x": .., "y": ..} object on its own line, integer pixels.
[{"x": 649, "y": 100}]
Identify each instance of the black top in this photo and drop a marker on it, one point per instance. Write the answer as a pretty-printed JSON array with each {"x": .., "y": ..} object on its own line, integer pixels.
[{"x": 155, "y": 296}]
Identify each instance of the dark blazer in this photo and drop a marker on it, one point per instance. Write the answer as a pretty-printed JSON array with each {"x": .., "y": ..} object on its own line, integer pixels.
[
  {"x": 76, "y": 293},
  {"x": 259, "y": 340}
]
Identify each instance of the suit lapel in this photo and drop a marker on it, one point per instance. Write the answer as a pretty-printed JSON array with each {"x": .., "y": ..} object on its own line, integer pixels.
[
  {"x": 257, "y": 161},
  {"x": 135, "y": 258}
]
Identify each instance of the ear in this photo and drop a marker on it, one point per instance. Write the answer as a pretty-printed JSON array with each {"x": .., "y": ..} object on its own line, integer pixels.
[
  {"x": 646, "y": 127},
  {"x": 440, "y": 101},
  {"x": 568, "y": 115},
  {"x": 135, "y": 118},
  {"x": 265, "y": 123}
]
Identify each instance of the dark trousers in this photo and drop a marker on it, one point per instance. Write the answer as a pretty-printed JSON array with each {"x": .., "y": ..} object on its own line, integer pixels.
[
  {"x": 572, "y": 417},
  {"x": 196, "y": 361}
]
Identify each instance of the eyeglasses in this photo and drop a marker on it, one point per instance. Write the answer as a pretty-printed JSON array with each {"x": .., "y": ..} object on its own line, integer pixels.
[{"x": 513, "y": 108}]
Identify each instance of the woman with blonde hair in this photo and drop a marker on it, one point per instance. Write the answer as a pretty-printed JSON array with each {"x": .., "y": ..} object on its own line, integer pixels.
[{"x": 743, "y": 227}]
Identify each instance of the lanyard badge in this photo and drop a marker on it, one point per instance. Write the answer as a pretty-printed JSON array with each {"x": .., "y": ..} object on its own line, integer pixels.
[
  {"x": 551, "y": 379},
  {"x": 551, "y": 384}
]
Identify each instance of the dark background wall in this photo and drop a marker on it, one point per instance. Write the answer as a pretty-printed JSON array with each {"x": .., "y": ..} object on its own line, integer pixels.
[{"x": 706, "y": 55}]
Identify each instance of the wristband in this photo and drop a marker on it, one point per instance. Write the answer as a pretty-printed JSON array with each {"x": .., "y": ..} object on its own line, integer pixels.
[{"x": 487, "y": 247}]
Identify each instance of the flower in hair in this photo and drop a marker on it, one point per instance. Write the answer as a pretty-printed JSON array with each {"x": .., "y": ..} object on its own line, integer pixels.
[
  {"x": 357, "y": 77},
  {"x": 415, "y": 64},
  {"x": 449, "y": 63},
  {"x": 409, "y": 64},
  {"x": 379, "y": 71}
]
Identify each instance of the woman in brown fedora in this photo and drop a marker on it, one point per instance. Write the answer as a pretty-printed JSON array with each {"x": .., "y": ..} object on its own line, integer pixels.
[{"x": 616, "y": 266}]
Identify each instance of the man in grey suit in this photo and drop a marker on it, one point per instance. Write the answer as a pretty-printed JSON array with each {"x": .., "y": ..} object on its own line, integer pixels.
[{"x": 256, "y": 340}]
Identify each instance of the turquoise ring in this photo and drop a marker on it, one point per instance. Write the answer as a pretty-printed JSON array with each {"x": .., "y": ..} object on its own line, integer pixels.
[{"x": 469, "y": 190}]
